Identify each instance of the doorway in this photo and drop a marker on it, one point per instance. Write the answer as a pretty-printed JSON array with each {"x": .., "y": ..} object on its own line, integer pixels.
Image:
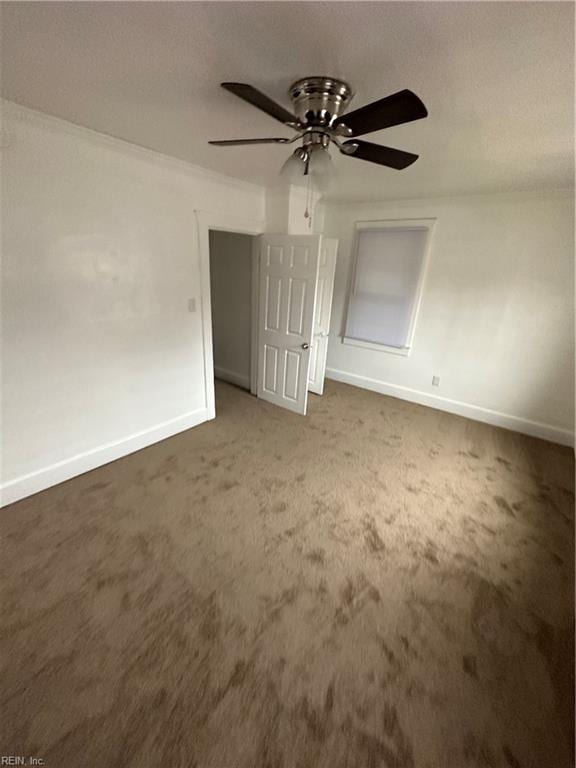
[
  {"x": 231, "y": 256},
  {"x": 269, "y": 300}
]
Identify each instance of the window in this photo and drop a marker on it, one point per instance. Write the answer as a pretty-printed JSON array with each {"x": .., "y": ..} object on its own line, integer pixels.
[{"x": 387, "y": 284}]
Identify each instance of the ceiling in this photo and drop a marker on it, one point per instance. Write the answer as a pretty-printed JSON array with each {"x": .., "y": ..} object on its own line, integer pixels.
[{"x": 497, "y": 78}]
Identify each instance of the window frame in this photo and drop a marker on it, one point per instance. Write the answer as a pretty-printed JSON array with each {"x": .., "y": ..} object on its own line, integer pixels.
[{"x": 427, "y": 224}]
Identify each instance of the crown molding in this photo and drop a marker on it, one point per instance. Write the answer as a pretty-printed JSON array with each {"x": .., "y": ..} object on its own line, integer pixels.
[{"x": 127, "y": 148}]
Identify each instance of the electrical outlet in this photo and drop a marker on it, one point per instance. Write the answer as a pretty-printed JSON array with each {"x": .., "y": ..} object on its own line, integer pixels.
[
  {"x": 435, "y": 381},
  {"x": 191, "y": 305}
]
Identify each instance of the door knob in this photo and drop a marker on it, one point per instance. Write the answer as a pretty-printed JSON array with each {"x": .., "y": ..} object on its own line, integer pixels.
[{"x": 305, "y": 346}]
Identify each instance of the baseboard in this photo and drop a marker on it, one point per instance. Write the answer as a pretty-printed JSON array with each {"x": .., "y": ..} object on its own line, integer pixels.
[
  {"x": 27, "y": 485},
  {"x": 474, "y": 412},
  {"x": 231, "y": 376}
]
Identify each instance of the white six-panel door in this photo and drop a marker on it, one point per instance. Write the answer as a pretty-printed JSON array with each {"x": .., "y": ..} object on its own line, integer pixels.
[
  {"x": 323, "y": 311},
  {"x": 287, "y": 293}
]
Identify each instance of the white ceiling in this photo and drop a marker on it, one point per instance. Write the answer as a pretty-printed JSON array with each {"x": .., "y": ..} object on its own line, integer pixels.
[{"x": 497, "y": 78}]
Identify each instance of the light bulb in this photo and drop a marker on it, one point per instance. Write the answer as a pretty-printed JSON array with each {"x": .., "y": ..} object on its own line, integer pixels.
[
  {"x": 321, "y": 169},
  {"x": 293, "y": 169}
]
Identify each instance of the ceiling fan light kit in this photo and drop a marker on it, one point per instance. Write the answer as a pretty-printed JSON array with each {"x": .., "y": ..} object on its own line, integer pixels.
[{"x": 320, "y": 119}]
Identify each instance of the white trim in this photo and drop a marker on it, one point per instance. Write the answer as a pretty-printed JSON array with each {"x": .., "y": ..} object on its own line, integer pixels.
[
  {"x": 254, "y": 315},
  {"x": 122, "y": 145},
  {"x": 375, "y": 202},
  {"x": 400, "y": 223},
  {"x": 234, "y": 378},
  {"x": 26, "y": 485},
  {"x": 404, "y": 351},
  {"x": 469, "y": 411},
  {"x": 426, "y": 224}
]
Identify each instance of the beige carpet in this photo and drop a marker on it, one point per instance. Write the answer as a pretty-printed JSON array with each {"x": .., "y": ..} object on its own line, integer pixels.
[{"x": 377, "y": 585}]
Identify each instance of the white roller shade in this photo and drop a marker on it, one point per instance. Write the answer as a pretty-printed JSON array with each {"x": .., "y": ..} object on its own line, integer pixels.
[{"x": 385, "y": 285}]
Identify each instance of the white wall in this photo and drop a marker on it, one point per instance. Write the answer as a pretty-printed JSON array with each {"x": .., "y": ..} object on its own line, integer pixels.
[
  {"x": 231, "y": 292},
  {"x": 100, "y": 257},
  {"x": 496, "y": 322},
  {"x": 286, "y": 205}
]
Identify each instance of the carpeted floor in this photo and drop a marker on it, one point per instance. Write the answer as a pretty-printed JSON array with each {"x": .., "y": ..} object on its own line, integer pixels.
[{"x": 376, "y": 585}]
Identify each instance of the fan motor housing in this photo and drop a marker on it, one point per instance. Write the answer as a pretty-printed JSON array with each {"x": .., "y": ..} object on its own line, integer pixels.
[{"x": 318, "y": 101}]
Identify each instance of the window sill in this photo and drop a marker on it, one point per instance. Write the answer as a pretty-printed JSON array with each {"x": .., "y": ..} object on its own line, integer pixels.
[{"x": 402, "y": 351}]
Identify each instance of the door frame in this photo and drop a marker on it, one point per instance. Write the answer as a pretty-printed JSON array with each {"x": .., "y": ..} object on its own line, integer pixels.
[{"x": 224, "y": 222}]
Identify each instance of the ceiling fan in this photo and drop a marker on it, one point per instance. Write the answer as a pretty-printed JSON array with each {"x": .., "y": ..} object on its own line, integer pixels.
[{"x": 318, "y": 119}]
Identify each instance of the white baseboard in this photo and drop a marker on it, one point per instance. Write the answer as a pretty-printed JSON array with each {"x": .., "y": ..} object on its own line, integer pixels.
[
  {"x": 26, "y": 485},
  {"x": 234, "y": 378},
  {"x": 474, "y": 412}
]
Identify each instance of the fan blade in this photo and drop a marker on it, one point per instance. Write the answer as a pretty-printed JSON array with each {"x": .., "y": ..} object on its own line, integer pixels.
[
  {"x": 239, "y": 142},
  {"x": 260, "y": 101},
  {"x": 375, "y": 153},
  {"x": 401, "y": 107}
]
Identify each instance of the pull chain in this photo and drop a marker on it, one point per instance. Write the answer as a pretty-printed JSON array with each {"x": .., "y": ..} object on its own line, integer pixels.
[{"x": 307, "y": 213}]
